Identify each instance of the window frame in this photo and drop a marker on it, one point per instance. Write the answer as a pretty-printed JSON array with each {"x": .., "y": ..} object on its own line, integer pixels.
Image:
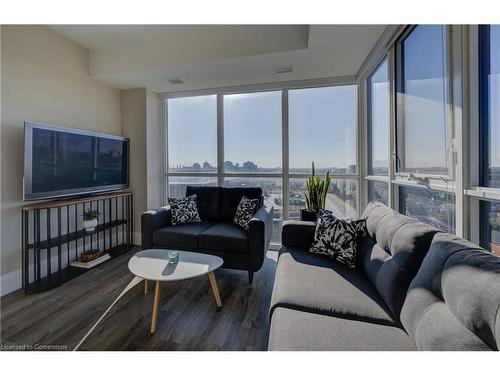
[
  {"x": 477, "y": 194},
  {"x": 483, "y": 96},
  {"x": 368, "y": 177},
  {"x": 285, "y": 174},
  {"x": 455, "y": 120},
  {"x": 398, "y": 77},
  {"x": 222, "y": 144},
  {"x": 166, "y": 150},
  {"x": 369, "y": 121}
]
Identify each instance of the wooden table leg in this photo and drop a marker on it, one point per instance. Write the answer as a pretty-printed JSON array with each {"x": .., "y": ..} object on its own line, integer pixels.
[
  {"x": 215, "y": 289},
  {"x": 145, "y": 286},
  {"x": 155, "y": 307}
]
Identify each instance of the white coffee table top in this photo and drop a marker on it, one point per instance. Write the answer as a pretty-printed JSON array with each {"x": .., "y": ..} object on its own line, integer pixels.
[{"x": 153, "y": 264}]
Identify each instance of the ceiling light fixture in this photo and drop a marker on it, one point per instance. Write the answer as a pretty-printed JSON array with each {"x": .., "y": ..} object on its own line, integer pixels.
[
  {"x": 283, "y": 69},
  {"x": 175, "y": 81}
]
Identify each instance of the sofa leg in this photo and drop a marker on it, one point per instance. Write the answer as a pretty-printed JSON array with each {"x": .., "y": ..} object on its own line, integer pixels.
[{"x": 250, "y": 277}]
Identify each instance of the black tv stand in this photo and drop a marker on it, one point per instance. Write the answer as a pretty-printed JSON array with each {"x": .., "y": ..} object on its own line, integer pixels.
[{"x": 52, "y": 231}]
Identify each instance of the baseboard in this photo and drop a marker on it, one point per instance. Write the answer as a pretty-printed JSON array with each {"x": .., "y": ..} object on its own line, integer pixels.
[{"x": 11, "y": 282}]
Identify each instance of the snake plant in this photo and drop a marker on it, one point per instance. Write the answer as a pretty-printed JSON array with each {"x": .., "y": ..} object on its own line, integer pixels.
[{"x": 316, "y": 190}]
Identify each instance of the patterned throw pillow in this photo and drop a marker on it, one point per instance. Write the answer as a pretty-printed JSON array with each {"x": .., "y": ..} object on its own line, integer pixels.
[
  {"x": 245, "y": 211},
  {"x": 337, "y": 238},
  {"x": 184, "y": 210}
]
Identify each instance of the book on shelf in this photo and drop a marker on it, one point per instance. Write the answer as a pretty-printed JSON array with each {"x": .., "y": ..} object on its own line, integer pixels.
[{"x": 92, "y": 263}]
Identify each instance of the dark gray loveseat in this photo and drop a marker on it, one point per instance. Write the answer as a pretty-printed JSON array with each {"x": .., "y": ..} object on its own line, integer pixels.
[
  {"x": 215, "y": 234},
  {"x": 414, "y": 288}
]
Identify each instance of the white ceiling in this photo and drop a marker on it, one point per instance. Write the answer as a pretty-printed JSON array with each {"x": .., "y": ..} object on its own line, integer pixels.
[{"x": 205, "y": 56}]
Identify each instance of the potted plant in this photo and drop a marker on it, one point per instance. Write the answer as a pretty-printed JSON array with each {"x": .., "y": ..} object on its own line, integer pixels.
[
  {"x": 316, "y": 191},
  {"x": 90, "y": 219}
]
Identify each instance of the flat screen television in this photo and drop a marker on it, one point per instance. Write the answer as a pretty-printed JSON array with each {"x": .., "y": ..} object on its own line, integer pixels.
[{"x": 62, "y": 162}]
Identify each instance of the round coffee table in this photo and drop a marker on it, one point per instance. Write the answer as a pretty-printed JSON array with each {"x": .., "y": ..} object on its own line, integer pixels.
[{"x": 154, "y": 265}]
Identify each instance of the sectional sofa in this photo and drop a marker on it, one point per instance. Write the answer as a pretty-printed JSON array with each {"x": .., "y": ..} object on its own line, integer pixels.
[
  {"x": 215, "y": 234},
  {"x": 413, "y": 288}
]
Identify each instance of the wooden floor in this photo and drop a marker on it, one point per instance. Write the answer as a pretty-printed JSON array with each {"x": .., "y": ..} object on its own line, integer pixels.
[{"x": 187, "y": 320}]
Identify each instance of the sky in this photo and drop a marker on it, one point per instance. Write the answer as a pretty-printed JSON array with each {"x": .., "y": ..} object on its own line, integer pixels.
[
  {"x": 379, "y": 82},
  {"x": 322, "y": 128},
  {"x": 252, "y": 128},
  {"x": 425, "y": 130}
]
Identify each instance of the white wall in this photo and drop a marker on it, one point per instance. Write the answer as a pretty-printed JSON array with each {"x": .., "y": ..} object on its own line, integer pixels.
[
  {"x": 134, "y": 127},
  {"x": 44, "y": 78},
  {"x": 141, "y": 123},
  {"x": 154, "y": 151}
]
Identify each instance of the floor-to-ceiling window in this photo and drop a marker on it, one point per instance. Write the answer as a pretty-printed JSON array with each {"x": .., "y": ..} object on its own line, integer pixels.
[
  {"x": 413, "y": 136},
  {"x": 378, "y": 94},
  {"x": 423, "y": 169},
  {"x": 267, "y": 139},
  {"x": 422, "y": 101},
  {"x": 252, "y": 147},
  {"x": 322, "y": 129},
  {"x": 192, "y": 142}
]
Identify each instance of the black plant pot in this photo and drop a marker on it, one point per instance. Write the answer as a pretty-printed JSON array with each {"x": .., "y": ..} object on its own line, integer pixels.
[{"x": 306, "y": 215}]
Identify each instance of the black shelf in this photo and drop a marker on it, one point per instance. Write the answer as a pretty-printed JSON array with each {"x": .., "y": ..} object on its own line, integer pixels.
[
  {"x": 66, "y": 274},
  {"x": 51, "y": 239},
  {"x": 73, "y": 236}
]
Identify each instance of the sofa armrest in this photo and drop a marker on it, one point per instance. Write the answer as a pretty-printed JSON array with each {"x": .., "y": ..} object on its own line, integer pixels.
[
  {"x": 151, "y": 221},
  {"x": 260, "y": 232},
  {"x": 298, "y": 234}
]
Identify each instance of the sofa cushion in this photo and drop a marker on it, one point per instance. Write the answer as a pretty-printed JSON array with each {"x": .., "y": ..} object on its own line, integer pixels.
[
  {"x": 183, "y": 236},
  {"x": 314, "y": 283},
  {"x": 298, "y": 330},
  {"x": 245, "y": 211},
  {"x": 225, "y": 237},
  {"x": 454, "y": 301},
  {"x": 208, "y": 200},
  {"x": 231, "y": 197},
  {"x": 392, "y": 251},
  {"x": 184, "y": 210},
  {"x": 337, "y": 238}
]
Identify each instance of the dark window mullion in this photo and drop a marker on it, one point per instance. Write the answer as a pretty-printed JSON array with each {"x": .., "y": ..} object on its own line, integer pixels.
[{"x": 484, "y": 71}]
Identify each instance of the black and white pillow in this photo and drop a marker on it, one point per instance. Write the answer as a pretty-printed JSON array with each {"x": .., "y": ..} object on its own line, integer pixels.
[
  {"x": 245, "y": 211},
  {"x": 337, "y": 238},
  {"x": 184, "y": 210}
]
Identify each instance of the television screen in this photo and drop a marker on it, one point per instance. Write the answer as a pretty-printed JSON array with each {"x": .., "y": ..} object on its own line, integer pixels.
[{"x": 61, "y": 162}]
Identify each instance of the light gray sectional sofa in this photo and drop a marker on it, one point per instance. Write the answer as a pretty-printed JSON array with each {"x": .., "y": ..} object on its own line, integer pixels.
[{"x": 414, "y": 288}]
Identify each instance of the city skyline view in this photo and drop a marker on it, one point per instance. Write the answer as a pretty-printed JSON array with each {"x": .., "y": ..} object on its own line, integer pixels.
[{"x": 249, "y": 167}]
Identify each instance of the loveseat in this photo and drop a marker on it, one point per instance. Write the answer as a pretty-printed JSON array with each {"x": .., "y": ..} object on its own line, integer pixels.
[
  {"x": 413, "y": 288},
  {"x": 215, "y": 234}
]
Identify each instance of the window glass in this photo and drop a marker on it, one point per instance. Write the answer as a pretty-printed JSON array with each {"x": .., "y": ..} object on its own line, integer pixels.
[
  {"x": 378, "y": 136},
  {"x": 432, "y": 207},
  {"x": 272, "y": 190},
  {"x": 252, "y": 132},
  {"x": 490, "y": 104},
  {"x": 341, "y": 199},
  {"x": 322, "y": 128},
  {"x": 378, "y": 191},
  {"x": 192, "y": 134},
  {"x": 490, "y": 225},
  {"x": 177, "y": 184},
  {"x": 421, "y": 102}
]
